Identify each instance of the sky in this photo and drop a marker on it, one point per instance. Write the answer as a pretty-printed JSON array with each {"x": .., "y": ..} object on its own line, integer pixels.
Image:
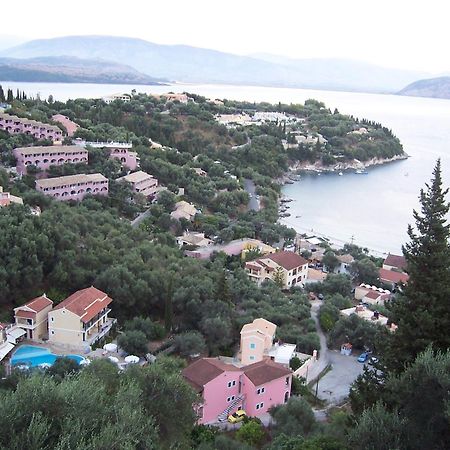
[{"x": 407, "y": 34}]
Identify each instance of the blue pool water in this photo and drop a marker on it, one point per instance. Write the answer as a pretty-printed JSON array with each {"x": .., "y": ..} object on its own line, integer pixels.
[{"x": 34, "y": 356}]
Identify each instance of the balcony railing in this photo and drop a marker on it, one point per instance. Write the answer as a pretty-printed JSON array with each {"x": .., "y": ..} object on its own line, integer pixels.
[{"x": 93, "y": 322}]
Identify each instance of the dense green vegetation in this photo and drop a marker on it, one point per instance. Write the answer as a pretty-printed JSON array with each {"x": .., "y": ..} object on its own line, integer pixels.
[{"x": 198, "y": 307}]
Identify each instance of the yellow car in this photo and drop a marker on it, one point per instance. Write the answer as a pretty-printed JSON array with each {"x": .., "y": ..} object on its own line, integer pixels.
[{"x": 238, "y": 416}]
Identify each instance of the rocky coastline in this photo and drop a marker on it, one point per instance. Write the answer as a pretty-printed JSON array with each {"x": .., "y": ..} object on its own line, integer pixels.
[{"x": 292, "y": 174}]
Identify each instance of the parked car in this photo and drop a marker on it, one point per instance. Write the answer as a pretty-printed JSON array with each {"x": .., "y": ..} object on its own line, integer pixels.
[
  {"x": 373, "y": 360},
  {"x": 320, "y": 296},
  {"x": 238, "y": 416},
  {"x": 362, "y": 358}
]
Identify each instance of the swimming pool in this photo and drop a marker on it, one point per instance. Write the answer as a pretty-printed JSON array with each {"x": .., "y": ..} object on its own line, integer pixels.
[{"x": 34, "y": 356}]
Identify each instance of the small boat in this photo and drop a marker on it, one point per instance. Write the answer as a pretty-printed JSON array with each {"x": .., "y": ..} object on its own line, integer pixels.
[
  {"x": 362, "y": 172},
  {"x": 340, "y": 174},
  {"x": 286, "y": 200},
  {"x": 288, "y": 182},
  {"x": 298, "y": 217}
]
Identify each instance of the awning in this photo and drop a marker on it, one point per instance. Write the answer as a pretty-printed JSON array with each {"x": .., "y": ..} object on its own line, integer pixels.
[
  {"x": 5, "y": 349},
  {"x": 14, "y": 334}
]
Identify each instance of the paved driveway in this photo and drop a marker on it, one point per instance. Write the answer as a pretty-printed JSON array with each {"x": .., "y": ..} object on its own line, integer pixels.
[{"x": 334, "y": 387}]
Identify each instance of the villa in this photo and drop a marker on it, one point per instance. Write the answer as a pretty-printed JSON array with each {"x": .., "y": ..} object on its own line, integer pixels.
[
  {"x": 193, "y": 238},
  {"x": 184, "y": 210},
  {"x": 113, "y": 97},
  {"x": 20, "y": 125},
  {"x": 392, "y": 277},
  {"x": 33, "y": 317},
  {"x": 44, "y": 157},
  {"x": 80, "y": 318},
  {"x": 371, "y": 294},
  {"x": 224, "y": 388},
  {"x": 369, "y": 315},
  {"x": 142, "y": 183},
  {"x": 68, "y": 124},
  {"x": 73, "y": 187},
  {"x": 291, "y": 268},
  {"x": 395, "y": 262},
  {"x": 6, "y": 198}
]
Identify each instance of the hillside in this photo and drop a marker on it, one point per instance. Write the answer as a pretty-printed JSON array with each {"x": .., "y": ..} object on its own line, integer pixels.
[
  {"x": 432, "y": 87},
  {"x": 70, "y": 70},
  {"x": 191, "y": 64}
]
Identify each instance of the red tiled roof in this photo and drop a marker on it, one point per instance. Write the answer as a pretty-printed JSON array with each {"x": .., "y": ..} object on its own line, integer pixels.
[
  {"x": 25, "y": 314},
  {"x": 287, "y": 260},
  {"x": 39, "y": 303},
  {"x": 204, "y": 370},
  {"x": 396, "y": 261},
  {"x": 393, "y": 276},
  {"x": 86, "y": 303},
  {"x": 265, "y": 371},
  {"x": 373, "y": 295}
]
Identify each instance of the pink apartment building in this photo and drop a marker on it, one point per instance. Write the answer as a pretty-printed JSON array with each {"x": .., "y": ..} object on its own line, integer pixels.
[
  {"x": 224, "y": 388},
  {"x": 142, "y": 183},
  {"x": 16, "y": 125},
  {"x": 44, "y": 157},
  {"x": 73, "y": 187},
  {"x": 69, "y": 125},
  {"x": 117, "y": 150}
]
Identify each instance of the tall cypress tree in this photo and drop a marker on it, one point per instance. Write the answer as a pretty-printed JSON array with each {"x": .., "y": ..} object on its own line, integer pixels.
[
  {"x": 422, "y": 310},
  {"x": 2, "y": 94},
  {"x": 10, "y": 97},
  {"x": 168, "y": 306}
]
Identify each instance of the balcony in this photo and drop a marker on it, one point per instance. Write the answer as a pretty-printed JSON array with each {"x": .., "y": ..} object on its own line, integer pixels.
[
  {"x": 94, "y": 321},
  {"x": 25, "y": 323},
  {"x": 104, "y": 330}
]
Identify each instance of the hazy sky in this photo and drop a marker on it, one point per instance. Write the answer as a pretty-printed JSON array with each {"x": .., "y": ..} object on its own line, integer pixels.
[{"x": 398, "y": 33}]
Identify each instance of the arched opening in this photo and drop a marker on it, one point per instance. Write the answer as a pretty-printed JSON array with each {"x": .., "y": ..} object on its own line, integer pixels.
[{"x": 286, "y": 397}]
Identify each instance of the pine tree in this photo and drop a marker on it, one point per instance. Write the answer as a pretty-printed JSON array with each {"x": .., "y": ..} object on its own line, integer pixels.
[
  {"x": 422, "y": 310},
  {"x": 278, "y": 277}
]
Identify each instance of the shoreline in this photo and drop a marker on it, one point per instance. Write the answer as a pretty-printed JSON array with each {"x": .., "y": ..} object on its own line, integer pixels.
[{"x": 292, "y": 174}]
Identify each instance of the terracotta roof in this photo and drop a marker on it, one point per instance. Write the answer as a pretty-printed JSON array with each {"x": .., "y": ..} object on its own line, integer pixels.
[
  {"x": 25, "y": 314},
  {"x": 38, "y": 303},
  {"x": 287, "y": 260},
  {"x": 396, "y": 261},
  {"x": 393, "y": 276},
  {"x": 373, "y": 295},
  {"x": 346, "y": 259},
  {"x": 265, "y": 371},
  {"x": 204, "y": 370},
  {"x": 86, "y": 303}
]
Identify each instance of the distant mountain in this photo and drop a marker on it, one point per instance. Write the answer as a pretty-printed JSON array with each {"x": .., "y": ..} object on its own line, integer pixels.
[
  {"x": 69, "y": 69},
  {"x": 198, "y": 65},
  {"x": 355, "y": 75},
  {"x": 432, "y": 87}
]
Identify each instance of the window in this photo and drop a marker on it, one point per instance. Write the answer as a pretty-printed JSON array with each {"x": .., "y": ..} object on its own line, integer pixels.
[
  {"x": 260, "y": 391},
  {"x": 259, "y": 405},
  {"x": 252, "y": 358},
  {"x": 230, "y": 399},
  {"x": 232, "y": 383},
  {"x": 52, "y": 319},
  {"x": 287, "y": 381},
  {"x": 52, "y": 332},
  {"x": 252, "y": 346}
]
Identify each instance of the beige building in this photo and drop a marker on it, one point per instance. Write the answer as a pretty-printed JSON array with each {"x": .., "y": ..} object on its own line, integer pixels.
[
  {"x": 290, "y": 267},
  {"x": 32, "y": 317},
  {"x": 258, "y": 343},
  {"x": 81, "y": 318},
  {"x": 142, "y": 183},
  {"x": 256, "y": 340},
  {"x": 6, "y": 198},
  {"x": 193, "y": 238}
]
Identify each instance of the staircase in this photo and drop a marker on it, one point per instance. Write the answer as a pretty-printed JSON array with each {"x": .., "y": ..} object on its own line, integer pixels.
[{"x": 222, "y": 417}]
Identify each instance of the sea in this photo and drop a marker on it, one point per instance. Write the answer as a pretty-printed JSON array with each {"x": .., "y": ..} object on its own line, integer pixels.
[{"x": 371, "y": 210}]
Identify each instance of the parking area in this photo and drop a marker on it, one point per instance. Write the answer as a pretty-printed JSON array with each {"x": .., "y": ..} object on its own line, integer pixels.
[{"x": 334, "y": 387}]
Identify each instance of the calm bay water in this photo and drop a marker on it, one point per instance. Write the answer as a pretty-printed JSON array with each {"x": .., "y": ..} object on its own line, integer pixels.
[{"x": 374, "y": 209}]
